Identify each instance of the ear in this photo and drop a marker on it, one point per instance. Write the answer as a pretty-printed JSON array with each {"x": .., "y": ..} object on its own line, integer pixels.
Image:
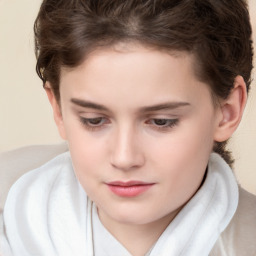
[
  {"x": 56, "y": 110},
  {"x": 231, "y": 111}
]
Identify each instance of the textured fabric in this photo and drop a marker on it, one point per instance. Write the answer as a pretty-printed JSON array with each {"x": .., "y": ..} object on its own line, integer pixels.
[
  {"x": 239, "y": 238},
  {"x": 104, "y": 243},
  {"x": 48, "y": 213},
  {"x": 14, "y": 163}
]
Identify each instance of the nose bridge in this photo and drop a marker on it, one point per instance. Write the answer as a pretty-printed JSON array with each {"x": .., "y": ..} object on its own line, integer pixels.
[{"x": 126, "y": 153}]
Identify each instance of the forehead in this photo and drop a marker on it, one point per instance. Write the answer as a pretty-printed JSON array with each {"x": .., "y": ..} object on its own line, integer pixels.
[
  {"x": 133, "y": 71},
  {"x": 123, "y": 51}
]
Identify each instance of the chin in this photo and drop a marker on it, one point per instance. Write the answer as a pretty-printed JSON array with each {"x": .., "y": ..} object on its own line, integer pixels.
[{"x": 135, "y": 217}]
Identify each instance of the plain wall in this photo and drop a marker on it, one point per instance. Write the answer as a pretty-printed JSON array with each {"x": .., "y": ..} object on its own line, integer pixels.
[{"x": 25, "y": 114}]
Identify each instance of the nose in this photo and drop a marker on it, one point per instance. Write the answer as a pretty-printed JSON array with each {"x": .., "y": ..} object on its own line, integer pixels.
[{"x": 127, "y": 153}]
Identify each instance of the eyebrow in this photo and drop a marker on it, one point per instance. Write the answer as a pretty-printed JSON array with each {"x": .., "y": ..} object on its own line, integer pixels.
[
  {"x": 158, "y": 107},
  {"x": 88, "y": 104},
  {"x": 165, "y": 106}
]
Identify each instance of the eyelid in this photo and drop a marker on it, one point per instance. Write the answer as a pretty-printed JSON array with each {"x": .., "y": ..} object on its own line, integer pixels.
[
  {"x": 90, "y": 114},
  {"x": 168, "y": 120},
  {"x": 170, "y": 123},
  {"x": 94, "y": 127},
  {"x": 96, "y": 122}
]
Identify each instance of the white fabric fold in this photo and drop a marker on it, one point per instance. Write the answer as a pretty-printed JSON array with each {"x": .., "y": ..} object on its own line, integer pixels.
[
  {"x": 197, "y": 227},
  {"x": 47, "y": 213}
]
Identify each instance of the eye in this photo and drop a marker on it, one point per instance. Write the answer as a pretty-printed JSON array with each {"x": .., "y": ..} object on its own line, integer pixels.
[
  {"x": 162, "y": 123},
  {"x": 94, "y": 123}
]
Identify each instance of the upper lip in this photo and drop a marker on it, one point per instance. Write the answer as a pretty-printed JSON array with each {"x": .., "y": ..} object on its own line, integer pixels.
[{"x": 128, "y": 183}]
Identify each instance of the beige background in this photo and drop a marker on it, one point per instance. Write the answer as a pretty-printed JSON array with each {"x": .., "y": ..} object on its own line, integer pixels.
[{"x": 25, "y": 115}]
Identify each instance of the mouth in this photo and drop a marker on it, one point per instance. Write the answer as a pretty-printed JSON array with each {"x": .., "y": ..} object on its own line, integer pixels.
[{"x": 130, "y": 188}]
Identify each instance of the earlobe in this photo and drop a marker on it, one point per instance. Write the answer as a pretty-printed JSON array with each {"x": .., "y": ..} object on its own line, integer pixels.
[
  {"x": 231, "y": 111},
  {"x": 56, "y": 110}
]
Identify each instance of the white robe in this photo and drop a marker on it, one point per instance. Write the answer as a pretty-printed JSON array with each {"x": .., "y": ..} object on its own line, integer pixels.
[{"x": 47, "y": 213}]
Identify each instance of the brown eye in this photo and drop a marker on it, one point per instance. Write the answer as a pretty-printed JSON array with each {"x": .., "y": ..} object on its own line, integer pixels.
[
  {"x": 94, "y": 123},
  {"x": 162, "y": 124}
]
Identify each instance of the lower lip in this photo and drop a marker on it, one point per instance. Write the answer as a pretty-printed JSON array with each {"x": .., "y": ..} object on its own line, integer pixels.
[{"x": 129, "y": 191}]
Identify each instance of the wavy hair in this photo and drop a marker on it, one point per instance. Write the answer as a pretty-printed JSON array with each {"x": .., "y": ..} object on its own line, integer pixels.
[{"x": 216, "y": 32}]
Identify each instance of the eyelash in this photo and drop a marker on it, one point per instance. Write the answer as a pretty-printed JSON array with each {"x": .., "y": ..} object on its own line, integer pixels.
[
  {"x": 167, "y": 123},
  {"x": 88, "y": 123},
  {"x": 94, "y": 124}
]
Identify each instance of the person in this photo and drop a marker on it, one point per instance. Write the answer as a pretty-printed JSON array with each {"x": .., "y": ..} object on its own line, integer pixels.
[{"x": 147, "y": 94}]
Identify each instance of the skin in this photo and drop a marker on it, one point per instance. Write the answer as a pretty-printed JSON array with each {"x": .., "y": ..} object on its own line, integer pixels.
[{"x": 128, "y": 138}]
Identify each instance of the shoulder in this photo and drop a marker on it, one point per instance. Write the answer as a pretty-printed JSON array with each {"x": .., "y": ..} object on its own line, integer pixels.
[
  {"x": 239, "y": 238},
  {"x": 15, "y": 163},
  {"x": 43, "y": 203},
  {"x": 45, "y": 176},
  {"x": 243, "y": 224},
  {"x": 38, "y": 186},
  {"x": 246, "y": 208}
]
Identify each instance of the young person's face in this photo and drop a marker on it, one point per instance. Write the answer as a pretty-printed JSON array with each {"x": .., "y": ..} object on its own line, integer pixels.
[{"x": 140, "y": 128}]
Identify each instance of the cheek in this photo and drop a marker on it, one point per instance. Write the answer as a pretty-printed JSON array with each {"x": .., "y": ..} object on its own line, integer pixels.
[
  {"x": 182, "y": 158},
  {"x": 86, "y": 155},
  {"x": 180, "y": 171},
  {"x": 84, "y": 146},
  {"x": 86, "y": 151},
  {"x": 184, "y": 146},
  {"x": 87, "y": 166}
]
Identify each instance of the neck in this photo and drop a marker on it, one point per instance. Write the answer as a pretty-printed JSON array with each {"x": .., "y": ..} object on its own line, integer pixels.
[{"x": 138, "y": 239}]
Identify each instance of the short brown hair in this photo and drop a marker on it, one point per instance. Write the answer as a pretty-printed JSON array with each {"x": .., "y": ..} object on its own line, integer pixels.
[{"x": 216, "y": 32}]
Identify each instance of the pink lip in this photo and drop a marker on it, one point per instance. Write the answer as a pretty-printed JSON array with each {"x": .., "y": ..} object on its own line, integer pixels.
[{"x": 130, "y": 188}]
